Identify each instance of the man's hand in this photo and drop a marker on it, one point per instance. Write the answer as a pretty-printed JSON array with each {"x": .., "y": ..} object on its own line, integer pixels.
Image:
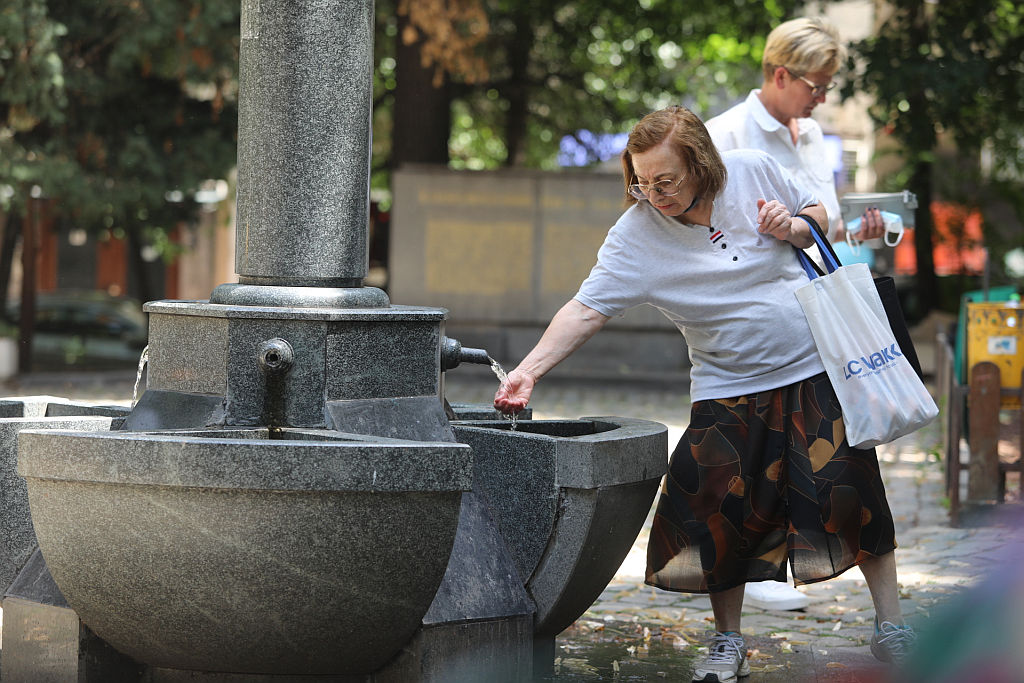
[{"x": 871, "y": 225}]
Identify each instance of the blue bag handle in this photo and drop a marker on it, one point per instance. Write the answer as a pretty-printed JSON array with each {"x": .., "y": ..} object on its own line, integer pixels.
[{"x": 828, "y": 254}]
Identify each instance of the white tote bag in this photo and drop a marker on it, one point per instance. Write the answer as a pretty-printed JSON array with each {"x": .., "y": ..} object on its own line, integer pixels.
[{"x": 881, "y": 396}]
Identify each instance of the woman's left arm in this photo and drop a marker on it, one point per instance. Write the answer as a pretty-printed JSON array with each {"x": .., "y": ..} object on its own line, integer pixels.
[{"x": 773, "y": 218}]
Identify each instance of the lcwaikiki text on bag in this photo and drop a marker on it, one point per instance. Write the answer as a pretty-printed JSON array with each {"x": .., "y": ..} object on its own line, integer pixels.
[{"x": 875, "y": 362}]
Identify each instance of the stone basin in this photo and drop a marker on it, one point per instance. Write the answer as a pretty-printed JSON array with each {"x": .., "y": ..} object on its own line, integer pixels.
[
  {"x": 569, "y": 498},
  {"x": 18, "y": 413},
  {"x": 228, "y": 550}
]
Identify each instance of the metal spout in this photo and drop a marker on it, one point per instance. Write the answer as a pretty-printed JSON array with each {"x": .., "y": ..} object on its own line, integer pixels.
[
  {"x": 275, "y": 358},
  {"x": 453, "y": 353}
]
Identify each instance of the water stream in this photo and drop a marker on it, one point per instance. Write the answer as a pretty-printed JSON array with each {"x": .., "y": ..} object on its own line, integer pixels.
[
  {"x": 502, "y": 378},
  {"x": 143, "y": 359}
]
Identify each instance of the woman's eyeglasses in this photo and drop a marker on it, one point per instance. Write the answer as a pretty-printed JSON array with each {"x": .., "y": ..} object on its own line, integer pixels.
[{"x": 663, "y": 188}]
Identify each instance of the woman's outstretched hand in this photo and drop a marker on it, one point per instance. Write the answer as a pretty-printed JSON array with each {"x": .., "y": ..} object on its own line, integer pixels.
[{"x": 514, "y": 393}]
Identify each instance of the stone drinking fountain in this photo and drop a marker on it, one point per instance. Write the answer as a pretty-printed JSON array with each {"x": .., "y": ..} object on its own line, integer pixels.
[{"x": 292, "y": 498}]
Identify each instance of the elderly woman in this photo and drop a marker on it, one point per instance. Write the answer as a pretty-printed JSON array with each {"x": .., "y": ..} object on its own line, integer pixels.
[{"x": 763, "y": 474}]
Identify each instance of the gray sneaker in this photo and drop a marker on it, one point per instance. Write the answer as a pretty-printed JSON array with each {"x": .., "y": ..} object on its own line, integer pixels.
[
  {"x": 727, "y": 659},
  {"x": 892, "y": 643}
]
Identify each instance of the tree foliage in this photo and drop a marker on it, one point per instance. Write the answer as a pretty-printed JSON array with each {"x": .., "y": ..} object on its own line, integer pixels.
[
  {"x": 31, "y": 88},
  {"x": 113, "y": 106},
  {"x": 554, "y": 68},
  {"x": 117, "y": 110},
  {"x": 949, "y": 72},
  {"x": 448, "y": 32}
]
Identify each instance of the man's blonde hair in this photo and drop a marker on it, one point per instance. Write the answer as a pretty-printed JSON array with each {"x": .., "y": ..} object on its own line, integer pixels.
[{"x": 805, "y": 45}]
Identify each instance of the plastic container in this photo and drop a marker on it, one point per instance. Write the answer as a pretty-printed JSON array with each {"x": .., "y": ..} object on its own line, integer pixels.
[
  {"x": 995, "y": 333},
  {"x": 993, "y": 294}
]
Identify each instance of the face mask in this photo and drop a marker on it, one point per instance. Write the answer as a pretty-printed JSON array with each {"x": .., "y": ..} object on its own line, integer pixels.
[{"x": 893, "y": 223}]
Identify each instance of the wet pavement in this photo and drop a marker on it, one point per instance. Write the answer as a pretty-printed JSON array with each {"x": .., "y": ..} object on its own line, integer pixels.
[{"x": 637, "y": 633}]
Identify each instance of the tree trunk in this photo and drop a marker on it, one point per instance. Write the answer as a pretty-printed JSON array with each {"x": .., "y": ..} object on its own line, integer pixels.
[
  {"x": 138, "y": 268},
  {"x": 926, "y": 282},
  {"x": 922, "y": 141},
  {"x": 422, "y": 121},
  {"x": 518, "y": 89},
  {"x": 29, "y": 261},
  {"x": 12, "y": 233}
]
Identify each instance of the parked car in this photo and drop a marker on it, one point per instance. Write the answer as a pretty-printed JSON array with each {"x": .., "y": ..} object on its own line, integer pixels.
[{"x": 88, "y": 330}]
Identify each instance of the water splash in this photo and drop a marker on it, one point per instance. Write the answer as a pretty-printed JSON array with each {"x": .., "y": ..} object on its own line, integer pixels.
[
  {"x": 502, "y": 378},
  {"x": 143, "y": 359}
]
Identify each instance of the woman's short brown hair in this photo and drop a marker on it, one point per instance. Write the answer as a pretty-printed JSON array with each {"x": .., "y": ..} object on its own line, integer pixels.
[{"x": 690, "y": 140}]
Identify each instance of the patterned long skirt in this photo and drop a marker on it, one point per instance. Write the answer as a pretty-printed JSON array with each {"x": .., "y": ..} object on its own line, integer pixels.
[{"x": 762, "y": 479}]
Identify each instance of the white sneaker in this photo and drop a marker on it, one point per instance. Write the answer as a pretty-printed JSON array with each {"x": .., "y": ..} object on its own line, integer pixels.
[
  {"x": 774, "y": 595},
  {"x": 726, "y": 660}
]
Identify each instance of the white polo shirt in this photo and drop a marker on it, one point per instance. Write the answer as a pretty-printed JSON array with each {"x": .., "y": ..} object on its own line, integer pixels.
[
  {"x": 748, "y": 125},
  {"x": 728, "y": 288}
]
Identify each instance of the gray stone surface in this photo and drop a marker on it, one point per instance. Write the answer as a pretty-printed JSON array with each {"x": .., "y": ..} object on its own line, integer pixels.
[
  {"x": 394, "y": 312},
  {"x": 483, "y": 411},
  {"x": 382, "y": 359},
  {"x": 34, "y": 583},
  {"x": 43, "y": 405},
  {"x": 523, "y": 474},
  {"x": 514, "y": 473},
  {"x": 17, "y": 537},
  {"x": 620, "y": 451},
  {"x": 233, "y": 581},
  {"x": 596, "y": 528},
  {"x": 569, "y": 497},
  {"x": 159, "y": 409},
  {"x": 466, "y": 652},
  {"x": 187, "y": 353},
  {"x": 209, "y": 355},
  {"x": 52, "y": 644},
  {"x": 305, "y": 101},
  {"x": 481, "y": 583},
  {"x": 303, "y": 297},
  {"x": 163, "y": 675},
  {"x": 417, "y": 417},
  {"x": 67, "y": 409},
  {"x": 179, "y": 459},
  {"x": 298, "y": 395},
  {"x": 12, "y": 408}
]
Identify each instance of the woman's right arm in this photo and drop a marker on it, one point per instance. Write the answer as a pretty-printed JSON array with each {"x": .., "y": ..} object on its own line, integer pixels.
[{"x": 574, "y": 324}]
